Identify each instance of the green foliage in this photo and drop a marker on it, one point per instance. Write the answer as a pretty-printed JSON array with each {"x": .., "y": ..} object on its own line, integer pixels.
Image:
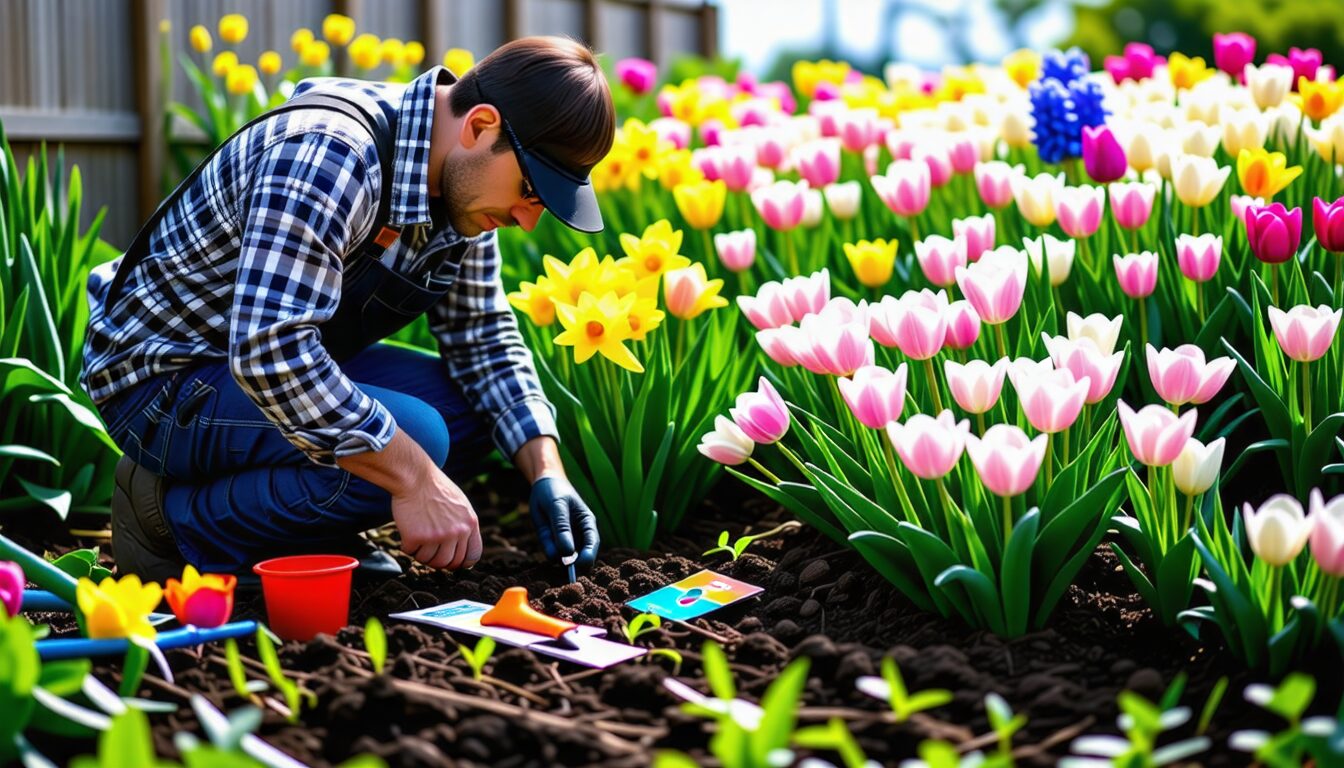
[
  {"x": 81, "y": 564},
  {"x": 892, "y": 687},
  {"x": 1142, "y": 722},
  {"x": 478, "y": 657},
  {"x": 375, "y": 641},
  {"x": 1319, "y": 738},
  {"x": 736, "y": 549},
  {"x": 294, "y": 695},
  {"x": 641, "y": 625},
  {"x": 237, "y": 674}
]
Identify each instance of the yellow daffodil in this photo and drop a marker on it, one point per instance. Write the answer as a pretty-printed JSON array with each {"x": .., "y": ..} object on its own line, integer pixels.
[
  {"x": 957, "y": 82},
  {"x": 1264, "y": 174},
  {"x": 270, "y": 63},
  {"x": 682, "y": 100},
  {"x": 1022, "y": 66},
  {"x": 117, "y": 608},
  {"x": 701, "y": 203},
  {"x": 224, "y": 61},
  {"x": 642, "y": 146},
  {"x": 241, "y": 80},
  {"x": 654, "y": 252},
  {"x": 1319, "y": 100},
  {"x": 616, "y": 171},
  {"x": 338, "y": 29},
  {"x": 233, "y": 28},
  {"x": 675, "y": 168},
  {"x": 688, "y": 293},
  {"x": 414, "y": 53},
  {"x": 572, "y": 280},
  {"x": 200, "y": 39},
  {"x": 872, "y": 261},
  {"x": 645, "y": 316},
  {"x": 301, "y": 37},
  {"x": 366, "y": 51},
  {"x": 458, "y": 60},
  {"x": 315, "y": 54},
  {"x": 807, "y": 75},
  {"x": 1185, "y": 71},
  {"x": 598, "y": 325},
  {"x": 535, "y": 301},
  {"x": 393, "y": 52}
]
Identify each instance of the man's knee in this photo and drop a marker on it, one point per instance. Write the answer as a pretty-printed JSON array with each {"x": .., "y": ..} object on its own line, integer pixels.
[{"x": 424, "y": 425}]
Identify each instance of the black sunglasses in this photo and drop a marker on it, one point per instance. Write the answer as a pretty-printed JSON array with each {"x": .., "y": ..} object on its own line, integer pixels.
[{"x": 529, "y": 190}]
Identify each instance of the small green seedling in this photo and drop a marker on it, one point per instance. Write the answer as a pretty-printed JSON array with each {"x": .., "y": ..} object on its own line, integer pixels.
[
  {"x": 238, "y": 676},
  {"x": 476, "y": 659},
  {"x": 641, "y": 625},
  {"x": 1142, "y": 723},
  {"x": 891, "y": 688},
  {"x": 1211, "y": 705},
  {"x": 1004, "y": 723},
  {"x": 738, "y": 547},
  {"x": 294, "y": 695},
  {"x": 1319, "y": 738},
  {"x": 375, "y": 642},
  {"x": 669, "y": 653}
]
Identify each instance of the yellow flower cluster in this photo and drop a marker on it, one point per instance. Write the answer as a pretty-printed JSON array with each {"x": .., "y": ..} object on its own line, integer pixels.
[
  {"x": 367, "y": 51},
  {"x": 637, "y": 153},
  {"x": 807, "y": 75},
  {"x": 691, "y": 103},
  {"x": 1318, "y": 100}
]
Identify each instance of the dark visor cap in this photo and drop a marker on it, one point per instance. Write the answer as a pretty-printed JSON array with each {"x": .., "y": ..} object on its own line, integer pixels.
[{"x": 568, "y": 197}]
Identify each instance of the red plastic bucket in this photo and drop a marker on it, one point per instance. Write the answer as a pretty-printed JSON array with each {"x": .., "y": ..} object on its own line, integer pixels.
[{"x": 306, "y": 594}]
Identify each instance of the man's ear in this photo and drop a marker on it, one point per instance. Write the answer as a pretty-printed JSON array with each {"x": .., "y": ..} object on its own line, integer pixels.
[{"x": 478, "y": 120}]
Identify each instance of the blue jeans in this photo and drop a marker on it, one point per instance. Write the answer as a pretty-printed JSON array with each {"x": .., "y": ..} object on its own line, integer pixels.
[{"x": 236, "y": 491}]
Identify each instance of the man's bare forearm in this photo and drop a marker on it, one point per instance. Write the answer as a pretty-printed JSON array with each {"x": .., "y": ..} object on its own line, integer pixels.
[
  {"x": 395, "y": 469},
  {"x": 539, "y": 457}
]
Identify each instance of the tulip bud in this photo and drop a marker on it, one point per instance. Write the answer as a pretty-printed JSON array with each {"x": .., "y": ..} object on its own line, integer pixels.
[
  {"x": 1327, "y": 534},
  {"x": 1196, "y": 468},
  {"x": 1103, "y": 331},
  {"x": 1304, "y": 332},
  {"x": 1103, "y": 158},
  {"x": 1277, "y": 530},
  {"x": 727, "y": 444},
  {"x": 1274, "y": 232}
]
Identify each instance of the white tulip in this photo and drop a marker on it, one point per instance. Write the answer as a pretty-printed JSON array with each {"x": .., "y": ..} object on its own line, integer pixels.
[
  {"x": 812, "y": 208},
  {"x": 1197, "y": 180},
  {"x": 1244, "y": 129},
  {"x": 1269, "y": 84},
  {"x": 1329, "y": 138},
  {"x": 1197, "y": 467},
  {"x": 1278, "y": 530},
  {"x": 1198, "y": 138},
  {"x": 1057, "y": 254},
  {"x": 1035, "y": 197},
  {"x": 1103, "y": 331},
  {"x": 843, "y": 199}
]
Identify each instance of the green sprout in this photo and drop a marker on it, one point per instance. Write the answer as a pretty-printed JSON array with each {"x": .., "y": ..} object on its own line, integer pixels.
[
  {"x": 294, "y": 695},
  {"x": 891, "y": 688},
  {"x": 476, "y": 659},
  {"x": 738, "y": 547},
  {"x": 375, "y": 642}
]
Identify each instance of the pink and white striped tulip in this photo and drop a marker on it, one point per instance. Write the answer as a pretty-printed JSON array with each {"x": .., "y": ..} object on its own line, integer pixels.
[
  {"x": 939, "y": 258},
  {"x": 772, "y": 145},
  {"x": 1086, "y": 361},
  {"x": 737, "y": 250},
  {"x": 1196, "y": 468},
  {"x": 994, "y": 285},
  {"x": 1182, "y": 377},
  {"x": 1006, "y": 459},
  {"x": 1198, "y": 257},
  {"x": 819, "y": 162},
  {"x": 975, "y": 386},
  {"x": 1051, "y": 399},
  {"x": 827, "y": 346},
  {"x": 963, "y": 151},
  {"x": 727, "y": 443},
  {"x": 905, "y": 188},
  {"x": 760, "y": 179},
  {"x": 778, "y": 344},
  {"x": 808, "y": 294},
  {"x": 1132, "y": 203},
  {"x": 875, "y": 395},
  {"x": 916, "y": 323},
  {"x": 1155, "y": 435},
  {"x": 769, "y": 308},
  {"x": 1137, "y": 273},
  {"x": 977, "y": 232},
  {"x": 1240, "y": 204},
  {"x": 1327, "y": 533},
  {"x": 842, "y": 309},
  {"x": 673, "y": 131},
  {"x": 929, "y": 447},
  {"x": 1100, "y": 329},
  {"x": 1305, "y": 332},
  {"x": 843, "y": 199},
  {"x": 936, "y": 154},
  {"x": 1079, "y": 210},
  {"x": 735, "y": 164},
  {"x": 1035, "y": 197},
  {"x": 858, "y": 129},
  {"x": 963, "y": 325},
  {"x": 761, "y": 415},
  {"x": 781, "y": 204},
  {"x": 1278, "y": 530},
  {"x": 1047, "y": 253},
  {"x": 994, "y": 182}
]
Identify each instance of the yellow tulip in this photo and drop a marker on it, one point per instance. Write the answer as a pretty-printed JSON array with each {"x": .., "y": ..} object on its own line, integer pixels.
[
  {"x": 241, "y": 80},
  {"x": 414, "y": 53},
  {"x": 1329, "y": 138},
  {"x": 616, "y": 171},
  {"x": 535, "y": 301},
  {"x": 117, "y": 608},
  {"x": 654, "y": 252},
  {"x": 807, "y": 75},
  {"x": 701, "y": 203},
  {"x": 338, "y": 29},
  {"x": 1320, "y": 100},
  {"x": 200, "y": 39},
  {"x": 1264, "y": 174},
  {"x": 366, "y": 51},
  {"x": 224, "y": 62},
  {"x": 599, "y": 325},
  {"x": 1185, "y": 71},
  {"x": 300, "y": 39},
  {"x": 675, "y": 168},
  {"x": 394, "y": 52},
  {"x": 315, "y": 54},
  {"x": 1022, "y": 66},
  {"x": 458, "y": 61},
  {"x": 688, "y": 292},
  {"x": 270, "y": 63},
  {"x": 233, "y": 28},
  {"x": 873, "y": 261}
]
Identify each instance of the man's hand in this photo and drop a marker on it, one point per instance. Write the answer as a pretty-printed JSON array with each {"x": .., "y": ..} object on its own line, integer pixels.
[
  {"x": 437, "y": 524},
  {"x": 557, "y": 511}
]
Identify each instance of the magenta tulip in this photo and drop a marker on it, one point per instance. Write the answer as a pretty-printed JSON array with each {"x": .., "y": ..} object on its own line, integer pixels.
[
  {"x": 905, "y": 188},
  {"x": 1274, "y": 232},
  {"x": 1304, "y": 332},
  {"x": 11, "y": 588},
  {"x": 1006, "y": 459},
  {"x": 1181, "y": 376},
  {"x": 1327, "y": 533},
  {"x": 1051, "y": 399},
  {"x": 1103, "y": 157},
  {"x": 929, "y": 447},
  {"x": 1156, "y": 436},
  {"x": 1304, "y": 63},
  {"x": 1132, "y": 203},
  {"x": 977, "y": 232},
  {"x": 1137, "y": 64},
  {"x": 939, "y": 258},
  {"x": 761, "y": 415},
  {"x": 1327, "y": 219},
  {"x": 1137, "y": 273},
  {"x": 1233, "y": 51},
  {"x": 975, "y": 386},
  {"x": 1198, "y": 257},
  {"x": 994, "y": 285},
  {"x": 875, "y": 395},
  {"x": 639, "y": 75},
  {"x": 963, "y": 325}
]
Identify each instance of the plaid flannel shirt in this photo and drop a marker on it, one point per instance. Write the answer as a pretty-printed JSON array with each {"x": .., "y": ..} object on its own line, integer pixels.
[{"x": 247, "y": 264}]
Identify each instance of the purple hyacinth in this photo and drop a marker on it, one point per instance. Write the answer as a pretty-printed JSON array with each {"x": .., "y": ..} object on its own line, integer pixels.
[{"x": 1063, "y": 102}]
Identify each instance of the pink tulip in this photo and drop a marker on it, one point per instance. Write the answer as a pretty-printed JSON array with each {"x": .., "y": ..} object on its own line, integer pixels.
[
  {"x": 994, "y": 182},
  {"x": 1132, "y": 203},
  {"x": 964, "y": 154},
  {"x": 1304, "y": 63},
  {"x": 1006, "y": 459},
  {"x": 673, "y": 131},
  {"x": 762, "y": 178},
  {"x": 819, "y": 162},
  {"x": 842, "y": 309},
  {"x": 761, "y": 415},
  {"x": 977, "y": 232},
  {"x": 905, "y": 188},
  {"x": 1156, "y": 436},
  {"x": 916, "y": 323},
  {"x": 639, "y": 75},
  {"x": 1137, "y": 273},
  {"x": 929, "y": 447},
  {"x": 875, "y": 395},
  {"x": 809, "y": 294},
  {"x": 1305, "y": 332},
  {"x": 994, "y": 285},
  {"x": 11, "y": 588},
  {"x": 1232, "y": 52},
  {"x": 1327, "y": 533},
  {"x": 1051, "y": 399},
  {"x": 936, "y": 154},
  {"x": 827, "y": 112},
  {"x": 870, "y": 156},
  {"x": 781, "y": 204},
  {"x": 826, "y": 346},
  {"x": 711, "y": 132},
  {"x": 737, "y": 164},
  {"x": 727, "y": 443},
  {"x": 1103, "y": 158},
  {"x": 1241, "y": 203},
  {"x": 771, "y": 146},
  {"x": 1327, "y": 219},
  {"x": 900, "y": 143},
  {"x": 1198, "y": 257},
  {"x": 1181, "y": 376},
  {"x": 778, "y": 344},
  {"x": 769, "y": 308},
  {"x": 975, "y": 386},
  {"x": 939, "y": 258},
  {"x": 963, "y": 325},
  {"x": 1085, "y": 360},
  {"x": 1079, "y": 210},
  {"x": 1137, "y": 64},
  {"x": 1274, "y": 232},
  {"x": 857, "y": 129},
  {"x": 737, "y": 250}
]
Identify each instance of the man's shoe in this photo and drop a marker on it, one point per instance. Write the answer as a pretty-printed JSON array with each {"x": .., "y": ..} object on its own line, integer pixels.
[
  {"x": 374, "y": 561},
  {"x": 141, "y": 541}
]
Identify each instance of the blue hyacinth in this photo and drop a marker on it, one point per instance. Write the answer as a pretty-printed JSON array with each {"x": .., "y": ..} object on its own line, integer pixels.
[{"x": 1063, "y": 102}]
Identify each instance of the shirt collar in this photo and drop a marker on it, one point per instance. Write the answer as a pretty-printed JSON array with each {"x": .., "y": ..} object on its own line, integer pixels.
[{"x": 415, "y": 120}]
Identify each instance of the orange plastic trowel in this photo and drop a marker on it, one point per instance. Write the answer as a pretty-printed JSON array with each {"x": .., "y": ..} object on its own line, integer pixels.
[{"x": 513, "y": 612}]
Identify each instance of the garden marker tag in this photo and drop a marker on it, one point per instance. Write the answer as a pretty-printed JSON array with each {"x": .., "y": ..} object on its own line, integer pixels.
[
  {"x": 694, "y": 596},
  {"x": 593, "y": 650}
]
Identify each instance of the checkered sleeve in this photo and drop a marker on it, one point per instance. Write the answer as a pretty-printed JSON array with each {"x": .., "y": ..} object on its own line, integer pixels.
[
  {"x": 311, "y": 196},
  {"x": 480, "y": 343}
]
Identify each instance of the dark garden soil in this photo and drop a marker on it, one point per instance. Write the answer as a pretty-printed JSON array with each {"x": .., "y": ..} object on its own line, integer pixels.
[{"x": 820, "y": 601}]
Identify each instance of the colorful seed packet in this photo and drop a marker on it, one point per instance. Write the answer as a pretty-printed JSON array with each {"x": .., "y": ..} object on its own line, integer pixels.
[{"x": 694, "y": 596}]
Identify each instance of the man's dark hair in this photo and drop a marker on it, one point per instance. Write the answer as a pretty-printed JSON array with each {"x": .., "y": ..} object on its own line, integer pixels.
[{"x": 552, "y": 92}]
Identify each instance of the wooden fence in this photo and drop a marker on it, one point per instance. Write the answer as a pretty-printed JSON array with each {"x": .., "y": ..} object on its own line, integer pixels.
[{"x": 87, "y": 74}]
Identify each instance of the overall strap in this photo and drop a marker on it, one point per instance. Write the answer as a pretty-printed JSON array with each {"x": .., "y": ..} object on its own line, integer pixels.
[{"x": 374, "y": 121}]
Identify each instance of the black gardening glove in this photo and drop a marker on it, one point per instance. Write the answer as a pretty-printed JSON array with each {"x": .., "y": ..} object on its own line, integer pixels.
[{"x": 558, "y": 512}]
